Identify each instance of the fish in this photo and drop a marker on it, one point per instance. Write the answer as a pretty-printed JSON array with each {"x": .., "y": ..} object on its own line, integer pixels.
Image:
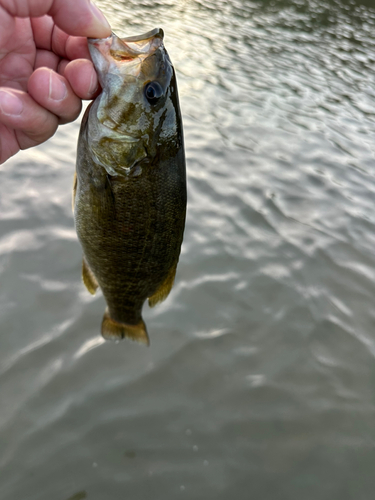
[{"x": 129, "y": 193}]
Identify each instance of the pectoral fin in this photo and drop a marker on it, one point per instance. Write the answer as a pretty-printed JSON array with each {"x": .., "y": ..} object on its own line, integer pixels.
[
  {"x": 163, "y": 291},
  {"x": 88, "y": 278},
  {"x": 74, "y": 190},
  {"x": 113, "y": 330}
]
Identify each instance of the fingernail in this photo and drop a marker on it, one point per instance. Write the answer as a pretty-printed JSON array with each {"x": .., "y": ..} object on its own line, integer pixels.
[
  {"x": 10, "y": 104},
  {"x": 93, "y": 84},
  {"x": 57, "y": 88},
  {"x": 101, "y": 25}
]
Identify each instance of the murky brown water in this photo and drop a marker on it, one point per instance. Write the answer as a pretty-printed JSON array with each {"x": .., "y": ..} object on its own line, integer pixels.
[{"x": 260, "y": 380}]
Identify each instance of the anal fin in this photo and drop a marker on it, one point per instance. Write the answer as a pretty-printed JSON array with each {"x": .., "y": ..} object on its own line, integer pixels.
[
  {"x": 88, "y": 278},
  {"x": 114, "y": 330},
  {"x": 163, "y": 291}
]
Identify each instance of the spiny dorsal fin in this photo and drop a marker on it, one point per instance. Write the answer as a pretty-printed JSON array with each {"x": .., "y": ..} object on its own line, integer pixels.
[
  {"x": 163, "y": 291},
  {"x": 88, "y": 278},
  {"x": 113, "y": 330}
]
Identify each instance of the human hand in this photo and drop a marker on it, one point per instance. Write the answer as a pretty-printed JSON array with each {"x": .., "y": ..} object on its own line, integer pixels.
[{"x": 45, "y": 67}]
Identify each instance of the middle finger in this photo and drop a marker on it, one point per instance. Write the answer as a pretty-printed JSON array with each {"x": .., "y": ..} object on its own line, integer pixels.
[{"x": 47, "y": 59}]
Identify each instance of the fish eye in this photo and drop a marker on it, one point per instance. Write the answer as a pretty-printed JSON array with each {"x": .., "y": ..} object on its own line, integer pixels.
[{"x": 153, "y": 92}]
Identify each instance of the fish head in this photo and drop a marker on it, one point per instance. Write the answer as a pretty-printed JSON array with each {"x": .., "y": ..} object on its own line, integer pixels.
[{"x": 137, "y": 111}]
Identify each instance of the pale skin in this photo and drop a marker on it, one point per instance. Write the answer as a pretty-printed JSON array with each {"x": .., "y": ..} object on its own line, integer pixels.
[{"x": 45, "y": 67}]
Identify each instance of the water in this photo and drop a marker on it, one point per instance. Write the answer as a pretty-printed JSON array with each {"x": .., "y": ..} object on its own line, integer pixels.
[{"x": 259, "y": 382}]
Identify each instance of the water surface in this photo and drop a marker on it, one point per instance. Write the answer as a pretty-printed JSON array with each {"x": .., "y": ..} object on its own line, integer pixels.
[{"x": 259, "y": 382}]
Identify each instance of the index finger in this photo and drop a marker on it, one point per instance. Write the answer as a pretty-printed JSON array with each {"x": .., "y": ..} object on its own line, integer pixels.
[
  {"x": 75, "y": 17},
  {"x": 80, "y": 17},
  {"x": 48, "y": 36}
]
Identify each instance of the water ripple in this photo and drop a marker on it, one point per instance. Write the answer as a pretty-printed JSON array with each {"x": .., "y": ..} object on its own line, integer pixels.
[{"x": 265, "y": 348}]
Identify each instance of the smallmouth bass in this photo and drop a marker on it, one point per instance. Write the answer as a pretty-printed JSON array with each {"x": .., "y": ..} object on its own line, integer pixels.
[{"x": 129, "y": 195}]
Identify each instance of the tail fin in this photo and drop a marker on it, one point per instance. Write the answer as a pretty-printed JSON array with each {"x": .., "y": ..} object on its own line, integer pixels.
[{"x": 113, "y": 330}]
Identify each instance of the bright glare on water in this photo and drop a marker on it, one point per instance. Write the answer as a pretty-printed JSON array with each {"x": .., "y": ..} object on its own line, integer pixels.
[{"x": 260, "y": 379}]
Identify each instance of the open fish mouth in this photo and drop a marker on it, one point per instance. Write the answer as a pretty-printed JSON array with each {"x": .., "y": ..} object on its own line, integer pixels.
[{"x": 113, "y": 51}]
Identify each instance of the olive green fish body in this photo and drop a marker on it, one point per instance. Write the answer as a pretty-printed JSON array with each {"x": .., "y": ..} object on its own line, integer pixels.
[{"x": 130, "y": 203}]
